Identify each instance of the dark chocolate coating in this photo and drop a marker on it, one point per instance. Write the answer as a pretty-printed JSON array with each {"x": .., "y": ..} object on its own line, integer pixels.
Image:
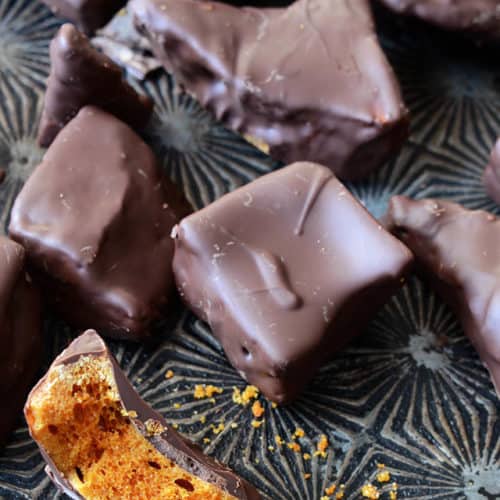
[
  {"x": 491, "y": 176},
  {"x": 286, "y": 270},
  {"x": 122, "y": 43},
  {"x": 88, "y": 15},
  {"x": 20, "y": 334},
  {"x": 310, "y": 80},
  {"x": 95, "y": 218},
  {"x": 169, "y": 443},
  {"x": 479, "y": 17},
  {"x": 80, "y": 76},
  {"x": 460, "y": 251}
]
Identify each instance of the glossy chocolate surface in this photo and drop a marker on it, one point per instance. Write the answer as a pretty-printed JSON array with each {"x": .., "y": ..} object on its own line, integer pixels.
[
  {"x": 491, "y": 176},
  {"x": 324, "y": 93},
  {"x": 88, "y": 15},
  {"x": 20, "y": 334},
  {"x": 481, "y": 17},
  {"x": 170, "y": 443},
  {"x": 460, "y": 251},
  {"x": 286, "y": 270},
  {"x": 95, "y": 219},
  {"x": 80, "y": 76}
]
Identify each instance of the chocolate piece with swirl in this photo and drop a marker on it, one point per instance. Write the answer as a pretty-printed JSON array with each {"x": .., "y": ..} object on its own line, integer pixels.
[
  {"x": 309, "y": 80},
  {"x": 286, "y": 270}
]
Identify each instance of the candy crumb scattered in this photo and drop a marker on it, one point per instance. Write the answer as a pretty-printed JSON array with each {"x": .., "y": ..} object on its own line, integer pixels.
[
  {"x": 370, "y": 491},
  {"x": 177, "y": 405},
  {"x": 206, "y": 391},
  {"x": 244, "y": 397},
  {"x": 321, "y": 446},
  {"x": 294, "y": 446},
  {"x": 278, "y": 440},
  {"x": 257, "y": 409},
  {"x": 169, "y": 374},
  {"x": 331, "y": 489},
  {"x": 153, "y": 427},
  {"x": 128, "y": 413},
  {"x": 307, "y": 476},
  {"x": 299, "y": 433},
  {"x": 256, "y": 423},
  {"x": 383, "y": 476},
  {"x": 306, "y": 456},
  {"x": 217, "y": 429}
]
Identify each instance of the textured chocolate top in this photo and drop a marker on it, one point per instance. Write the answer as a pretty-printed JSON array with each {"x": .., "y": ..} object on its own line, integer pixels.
[
  {"x": 491, "y": 177},
  {"x": 20, "y": 334},
  {"x": 88, "y": 15},
  {"x": 80, "y": 75},
  {"x": 95, "y": 219},
  {"x": 286, "y": 270},
  {"x": 170, "y": 443},
  {"x": 475, "y": 16},
  {"x": 460, "y": 249},
  {"x": 322, "y": 91}
]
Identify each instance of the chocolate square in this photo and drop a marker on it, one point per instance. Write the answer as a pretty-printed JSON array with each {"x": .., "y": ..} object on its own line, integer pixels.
[
  {"x": 286, "y": 270},
  {"x": 95, "y": 218}
]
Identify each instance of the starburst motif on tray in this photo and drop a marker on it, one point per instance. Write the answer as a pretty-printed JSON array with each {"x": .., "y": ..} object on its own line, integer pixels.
[
  {"x": 454, "y": 97},
  {"x": 403, "y": 175},
  {"x": 193, "y": 146},
  {"x": 26, "y": 28},
  {"x": 19, "y": 152}
]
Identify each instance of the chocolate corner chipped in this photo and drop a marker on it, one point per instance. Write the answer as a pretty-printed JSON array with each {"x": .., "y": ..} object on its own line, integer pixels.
[
  {"x": 460, "y": 251},
  {"x": 20, "y": 334},
  {"x": 478, "y": 17},
  {"x": 491, "y": 176},
  {"x": 88, "y": 15},
  {"x": 95, "y": 218},
  {"x": 80, "y": 76},
  {"x": 323, "y": 91},
  {"x": 286, "y": 270},
  {"x": 101, "y": 440}
]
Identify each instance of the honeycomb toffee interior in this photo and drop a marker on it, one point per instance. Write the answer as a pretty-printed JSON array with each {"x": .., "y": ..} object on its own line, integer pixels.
[{"x": 78, "y": 418}]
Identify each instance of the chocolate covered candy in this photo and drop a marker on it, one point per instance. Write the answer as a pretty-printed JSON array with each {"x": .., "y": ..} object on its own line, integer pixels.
[
  {"x": 95, "y": 219},
  {"x": 460, "y": 251},
  {"x": 79, "y": 76},
  {"x": 479, "y": 17},
  {"x": 20, "y": 334},
  {"x": 491, "y": 177},
  {"x": 310, "y": 80},
  {"x": 101, "y": 440},
  {"x": 286, "y": 270},
  {"x": 88, "y": 15}
]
